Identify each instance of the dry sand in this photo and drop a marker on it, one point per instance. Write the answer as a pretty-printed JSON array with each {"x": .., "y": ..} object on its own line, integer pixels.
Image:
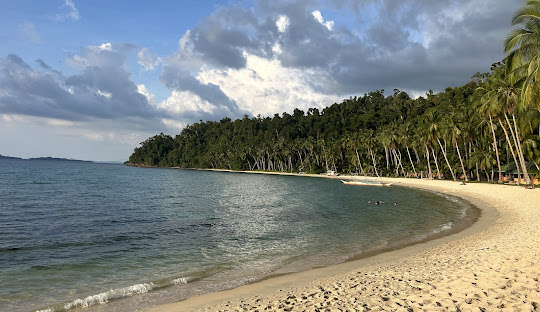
[{"x": 492, "y": 266}]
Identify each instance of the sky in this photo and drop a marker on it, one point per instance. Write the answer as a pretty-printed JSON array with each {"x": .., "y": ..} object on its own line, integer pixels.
[{"x": 92, "y": 79}]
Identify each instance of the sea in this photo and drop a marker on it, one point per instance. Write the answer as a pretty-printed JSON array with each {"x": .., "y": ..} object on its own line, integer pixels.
[{"x": 81, "y": 236}]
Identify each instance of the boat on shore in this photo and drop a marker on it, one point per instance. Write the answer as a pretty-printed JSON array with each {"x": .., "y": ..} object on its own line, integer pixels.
[{"x": 366, "y": 182}]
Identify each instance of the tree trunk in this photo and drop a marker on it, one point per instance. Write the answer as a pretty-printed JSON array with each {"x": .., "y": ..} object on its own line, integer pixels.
[
  {"x": 520, "y": 153},
  {"x": 359, "y": 162},
  {"x": 461, "y": 161},
  {"x": 511, "y": 149},
  {"x": 401, "y": 163},
  {"x": 416, "y": 154},
  {"x": 436, "y": 163},
  {"x": 374, "y": 163},
  {"x": 301, "y": 160},
  {"x": 430, "y": 173},
  {"x": 446, "y": 158},
  {"x": 496, "y": 149},
  {"x": 410, "y": 159},
  {"x": 387, "y": 161},
  {"x": 398, "y": 163}
]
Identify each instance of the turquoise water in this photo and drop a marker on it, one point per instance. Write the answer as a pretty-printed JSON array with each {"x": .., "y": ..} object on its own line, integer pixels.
[{"x": 119, "y": 238}]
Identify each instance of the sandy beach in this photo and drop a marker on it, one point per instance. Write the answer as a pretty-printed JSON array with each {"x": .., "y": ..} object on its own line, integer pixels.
[{"x": 492, "y": 266}]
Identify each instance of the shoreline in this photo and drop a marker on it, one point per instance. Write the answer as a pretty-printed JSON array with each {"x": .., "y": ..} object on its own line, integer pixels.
[{"x": 459, "y": 278}]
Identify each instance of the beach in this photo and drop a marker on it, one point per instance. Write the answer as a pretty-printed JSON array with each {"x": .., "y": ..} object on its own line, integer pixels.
[{"x": 491, "y": 266}]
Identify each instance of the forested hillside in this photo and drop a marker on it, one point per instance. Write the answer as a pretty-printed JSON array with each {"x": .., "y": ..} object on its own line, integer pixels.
[{"x": 446, "y": 134}]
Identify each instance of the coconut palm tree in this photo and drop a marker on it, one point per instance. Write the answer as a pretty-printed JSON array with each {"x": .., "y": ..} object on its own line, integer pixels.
[
  {"x": 503, "y": 97},
  {"x": 406, "y": 140},
  {"x": 486, "y": 108},
  {"x": 522, "y": 47},
  {"x": 435, "y": 125}
]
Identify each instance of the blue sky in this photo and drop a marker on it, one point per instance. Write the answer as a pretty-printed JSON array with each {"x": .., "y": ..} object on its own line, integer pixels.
[{"x": 92, "y": 79}]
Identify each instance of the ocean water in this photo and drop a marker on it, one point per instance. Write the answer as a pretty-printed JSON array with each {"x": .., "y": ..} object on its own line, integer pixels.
[{"x": 104, "y": 237}]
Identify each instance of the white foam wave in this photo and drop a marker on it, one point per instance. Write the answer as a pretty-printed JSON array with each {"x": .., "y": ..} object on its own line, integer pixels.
[
  {"x": 46, "y": 310},
  {"x": 452, "y": 198},
  {"x": 180, "y": 280},
  {"x": 444, "y": 227},
  {"x": 111, "y": 294}
]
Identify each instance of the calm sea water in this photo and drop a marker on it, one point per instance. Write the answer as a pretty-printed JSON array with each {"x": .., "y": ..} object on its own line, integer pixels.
[{"x": 116, "y": 238}]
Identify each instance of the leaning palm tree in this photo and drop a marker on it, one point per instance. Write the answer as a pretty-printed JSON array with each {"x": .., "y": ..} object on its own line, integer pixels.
[
  {"x": 523, "y": 60},
  {"x": 434, "y": 122},
  {"x": 522, "y": 47},
  {"x": 487, "y": 107}
]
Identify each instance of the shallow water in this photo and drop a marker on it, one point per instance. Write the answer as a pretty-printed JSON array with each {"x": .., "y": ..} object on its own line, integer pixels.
[{"x": 77, "y": 234}]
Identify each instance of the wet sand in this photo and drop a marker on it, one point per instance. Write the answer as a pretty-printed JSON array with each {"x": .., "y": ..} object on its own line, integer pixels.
[{"x": 493, "y": 265}]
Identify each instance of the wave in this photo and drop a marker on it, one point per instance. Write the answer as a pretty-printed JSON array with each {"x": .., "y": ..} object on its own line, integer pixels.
[
  {"x": 441, "y": 228},
  {"x": 105, "y": 297}
]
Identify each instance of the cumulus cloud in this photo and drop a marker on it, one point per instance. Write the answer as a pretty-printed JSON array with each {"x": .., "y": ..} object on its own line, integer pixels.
[
  {"x": 101, "y": 90},
  {"x": 270, "y": 58},
  {"x": 410, "y": 44},
  {"x": 149, "y": 96},
  {"x": 282, "y": 23},
  {"x": 266, "y": 87},
  {"x": 280, "y": 55},
  {"x": 191, "y": 99},
  {"x": 319, "y": 18}
]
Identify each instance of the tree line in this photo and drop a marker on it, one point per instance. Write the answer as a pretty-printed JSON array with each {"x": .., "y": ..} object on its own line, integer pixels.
[{"x": 469, "y": 132}]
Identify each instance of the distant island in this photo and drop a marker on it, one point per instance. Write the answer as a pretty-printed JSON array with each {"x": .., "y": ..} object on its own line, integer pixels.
[
  {"x": 58, "y": 159},
  {"x": 8, "y": 157},
  {"x": 45, "y": 159}
]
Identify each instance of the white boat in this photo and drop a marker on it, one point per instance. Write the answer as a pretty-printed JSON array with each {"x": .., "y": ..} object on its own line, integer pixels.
[{"x": 366, "y": 182}]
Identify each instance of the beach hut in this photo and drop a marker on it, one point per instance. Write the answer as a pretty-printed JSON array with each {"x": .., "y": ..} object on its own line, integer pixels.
[{"x": 510, "y": 173}]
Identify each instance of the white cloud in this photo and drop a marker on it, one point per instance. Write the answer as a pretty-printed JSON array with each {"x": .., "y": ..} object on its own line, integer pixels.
[
  {"x": 60, "y": 122},
  {"x": 266, "y": 87},
  {"x": 437, "y": 25},
  {"x": 145, "y": 59},
  {"x": 282, "y": 23},
  {"x": 91, "y": 56},
  {"x": 150, "y": 96},
  {"x": 317, "y": 15},
  {"x": 29, "y": 30},
  {"x": 174, "y": 124},
  {"x": 104, "y": 47},
  {"x": 276, "y": 48},
  {"x": 68, "y": 11},
  {"x": 104, "y": 94},
  {"x": 184, "y": 102}
]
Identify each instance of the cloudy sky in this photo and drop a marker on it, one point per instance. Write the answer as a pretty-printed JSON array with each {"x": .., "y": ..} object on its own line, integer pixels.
[{"x": 92, "y": 79}]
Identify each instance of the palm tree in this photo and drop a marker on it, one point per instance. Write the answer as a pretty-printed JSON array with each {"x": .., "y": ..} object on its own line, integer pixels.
[
  {"x": 522, "y": 47},
  {"x": 370, "y": 141},
  {"x": 486, "y": 108},
  {"x": 434, "y": 124},
  {"x": 504, "y": 97},
  {"x": 406, "y": 140}
]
